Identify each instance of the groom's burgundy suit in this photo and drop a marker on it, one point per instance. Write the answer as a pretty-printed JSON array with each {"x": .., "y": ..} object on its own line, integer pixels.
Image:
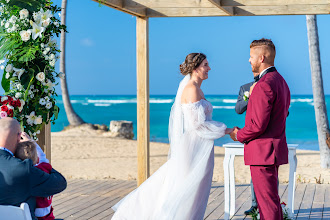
[{"x": 265, "y": 140}]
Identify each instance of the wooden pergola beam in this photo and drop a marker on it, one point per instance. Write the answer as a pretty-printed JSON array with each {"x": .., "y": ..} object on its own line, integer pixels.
[
  {"x": 121, "y": 6},
  {"x": 143, "y": 122},
  {"x": 228, "y": 10}
]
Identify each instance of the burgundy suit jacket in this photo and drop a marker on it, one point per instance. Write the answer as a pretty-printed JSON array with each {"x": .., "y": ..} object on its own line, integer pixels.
[{"x": 264, "y": 131}]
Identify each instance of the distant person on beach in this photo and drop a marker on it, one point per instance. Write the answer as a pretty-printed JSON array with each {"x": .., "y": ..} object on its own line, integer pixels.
[
  {"x": 264, "y": 138},
  {"x": 179, "y": 190},
  {"x": 20, "y": 181},
  {"x": 29, "y": 150}
]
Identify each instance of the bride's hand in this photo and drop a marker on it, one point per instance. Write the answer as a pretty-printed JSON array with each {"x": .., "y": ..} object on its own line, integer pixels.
[{"x": 229, "y": 130}]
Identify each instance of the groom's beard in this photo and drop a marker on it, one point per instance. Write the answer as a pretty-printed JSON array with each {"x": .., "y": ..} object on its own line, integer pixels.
[{"x": 256, "y": 68}]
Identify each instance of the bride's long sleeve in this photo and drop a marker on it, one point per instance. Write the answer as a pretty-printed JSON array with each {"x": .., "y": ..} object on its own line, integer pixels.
[{"x": 201, "y": 122}]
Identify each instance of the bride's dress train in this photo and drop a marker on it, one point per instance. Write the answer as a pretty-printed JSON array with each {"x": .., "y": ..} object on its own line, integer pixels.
[{"x": 179, "y": 189}]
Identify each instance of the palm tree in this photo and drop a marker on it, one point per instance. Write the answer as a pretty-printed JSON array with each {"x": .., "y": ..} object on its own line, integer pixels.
[
  {"x": 318, "y": 91},
  {"x": 72, "y": 116}
]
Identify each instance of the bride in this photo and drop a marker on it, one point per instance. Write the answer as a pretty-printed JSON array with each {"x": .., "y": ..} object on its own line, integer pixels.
[{"x": 180, "y": 188}]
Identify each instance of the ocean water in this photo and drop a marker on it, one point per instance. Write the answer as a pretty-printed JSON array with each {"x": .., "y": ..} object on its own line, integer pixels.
[{"x": 101, "y": 109}]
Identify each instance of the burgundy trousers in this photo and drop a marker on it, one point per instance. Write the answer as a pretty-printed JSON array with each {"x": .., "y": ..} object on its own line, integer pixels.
[{"x": 264, "y": 180}]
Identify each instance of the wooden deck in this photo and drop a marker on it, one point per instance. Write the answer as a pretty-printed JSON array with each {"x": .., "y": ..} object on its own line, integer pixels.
[{"x": 92, "y": 199}]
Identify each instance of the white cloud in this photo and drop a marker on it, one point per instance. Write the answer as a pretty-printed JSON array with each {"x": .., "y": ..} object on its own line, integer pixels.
[{"x": 87, "y": 42}]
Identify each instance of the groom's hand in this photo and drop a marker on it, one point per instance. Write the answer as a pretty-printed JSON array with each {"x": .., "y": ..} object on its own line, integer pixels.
[{"x": 233, "y": 134}]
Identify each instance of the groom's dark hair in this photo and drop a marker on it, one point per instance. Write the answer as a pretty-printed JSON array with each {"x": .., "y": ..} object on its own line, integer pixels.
[{"x": 263, "y": 42}]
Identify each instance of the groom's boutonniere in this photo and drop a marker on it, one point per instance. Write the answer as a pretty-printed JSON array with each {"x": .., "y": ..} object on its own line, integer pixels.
[{"x": 246, "y": 95}]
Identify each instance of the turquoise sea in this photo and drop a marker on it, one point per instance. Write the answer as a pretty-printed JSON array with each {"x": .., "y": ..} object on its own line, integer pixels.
[{"x": 101, "y": 109}]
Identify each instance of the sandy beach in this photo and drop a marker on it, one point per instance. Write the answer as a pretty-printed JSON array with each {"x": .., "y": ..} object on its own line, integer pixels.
[{"x": 88, "y": 154}]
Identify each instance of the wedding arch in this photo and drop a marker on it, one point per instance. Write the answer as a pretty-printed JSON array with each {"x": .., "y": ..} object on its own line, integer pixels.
[{"x": 145, "y": 9}]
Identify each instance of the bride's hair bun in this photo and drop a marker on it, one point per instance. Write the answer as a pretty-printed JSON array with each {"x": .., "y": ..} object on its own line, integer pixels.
[{"x": 191, "y": 62}]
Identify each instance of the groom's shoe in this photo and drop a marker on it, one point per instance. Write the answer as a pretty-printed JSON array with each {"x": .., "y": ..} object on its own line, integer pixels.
[{"x": 251, "y": 210}]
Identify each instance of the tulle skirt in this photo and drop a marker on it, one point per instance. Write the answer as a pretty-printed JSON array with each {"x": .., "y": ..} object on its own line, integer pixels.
[{"x": 178, "y": 190}]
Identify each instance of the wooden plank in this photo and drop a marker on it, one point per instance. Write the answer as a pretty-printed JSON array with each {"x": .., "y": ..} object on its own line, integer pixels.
[
  {"x": 208, "y": 4},
  {"x": 326, "y": 209},
  {"x": 84, "y": 202},
  {"x": 143, "y": 123},
  {"x": 217, "y": 209},
  {"x": 100, "y": 203},
  {"x": 306, "y": 204},
  {"x": 317, "y": 207},
  {"x": 239, "y": 11},
  {"x": 44, "y": 141},
  {"x": 228, "y": 10},
  {"x": 119, "y": 5},
  {"x": 239, "y": 204}
]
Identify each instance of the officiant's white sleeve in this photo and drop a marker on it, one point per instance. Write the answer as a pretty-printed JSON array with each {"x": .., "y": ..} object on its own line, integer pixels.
[{"x": 200, "y": 120}]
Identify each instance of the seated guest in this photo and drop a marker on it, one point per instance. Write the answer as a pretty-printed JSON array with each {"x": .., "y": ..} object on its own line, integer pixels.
[
  {"x": 20, "y": 181},
  {"x": 28, "y": 150}
]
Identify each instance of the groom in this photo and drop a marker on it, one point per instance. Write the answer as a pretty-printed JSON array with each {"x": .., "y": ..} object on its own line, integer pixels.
[{"x": 264, "y": 131}]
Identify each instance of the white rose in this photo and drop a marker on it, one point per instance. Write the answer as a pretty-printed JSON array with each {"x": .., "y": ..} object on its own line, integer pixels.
[
  {"x": 4, "y": 98},
  {"x": 7, "y": 75},
  {"x": 38, "y": 120},
  {"x": 18, "y": 95},
  {"x": 42, "y": 45},
  {"x": 24, "y": 13},
  {"x": 52, "y": 56},
  {"x": 56, "y": 24},
  {"x": 9, "y": 68},
  {"x": 41, "y": 77},
  {"x": 10, "y": 107},
  {"x": 47, "y": 49},
  {"x": 52, "y": 63},
  {"x": 49, "y": 105},
  {"x": 7, "y": 25},
  {"x": 25, "y": 35},
  {"x": 46, "y": 57},
  {"x": 247, "y": 94},
  {"x": 38, "y": 132},
  {"x": 2, "y": 67},
  {"x": 2, "y": 61},
  {"x": 42, "y": 101}
]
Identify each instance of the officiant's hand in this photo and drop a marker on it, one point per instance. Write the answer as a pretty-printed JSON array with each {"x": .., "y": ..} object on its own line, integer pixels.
[
  {"x": 252, "y": 87},
  {"x": 233, "y": 134}
]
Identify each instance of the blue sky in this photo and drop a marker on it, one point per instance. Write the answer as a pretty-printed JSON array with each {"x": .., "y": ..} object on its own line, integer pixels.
[{"x": 101, "y": 50}]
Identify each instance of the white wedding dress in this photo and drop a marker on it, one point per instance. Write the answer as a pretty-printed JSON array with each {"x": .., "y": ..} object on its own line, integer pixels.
[{"x": 180, "y": 188}]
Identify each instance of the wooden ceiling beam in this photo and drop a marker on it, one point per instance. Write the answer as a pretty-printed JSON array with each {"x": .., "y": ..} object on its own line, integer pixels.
[
  {"x": 234, "y": 3},
  {"x": 228, "y": 10},
  {"x": 121, "y": 6}
]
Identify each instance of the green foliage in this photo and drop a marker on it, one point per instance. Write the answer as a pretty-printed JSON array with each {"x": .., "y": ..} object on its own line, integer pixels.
[{"x": 26, "y": 32}]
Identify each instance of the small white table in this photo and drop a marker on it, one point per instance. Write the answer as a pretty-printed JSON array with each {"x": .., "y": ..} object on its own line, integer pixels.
[{"x": 233, "y": 149}]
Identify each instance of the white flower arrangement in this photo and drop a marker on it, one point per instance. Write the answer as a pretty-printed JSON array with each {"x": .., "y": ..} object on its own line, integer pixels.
[
  {"x": 246, "y": 95},
  {"x": 26, "y": 38}
]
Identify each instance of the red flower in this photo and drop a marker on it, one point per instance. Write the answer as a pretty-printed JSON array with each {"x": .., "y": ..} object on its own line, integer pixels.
[
  {"x": 12, "y": 103},
  {"x": 10, "y": 113},
  {"x": 10, "y": 98},
  {"x": 18, "y": 103},
  {"x": 4, "y": 108},
  {"x": 5, "y": 102}
]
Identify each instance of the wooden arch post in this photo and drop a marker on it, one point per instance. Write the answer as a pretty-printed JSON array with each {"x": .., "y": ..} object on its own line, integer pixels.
[
  {"x": 45, "y": 140},
  {"x": 143, "y": 123}
]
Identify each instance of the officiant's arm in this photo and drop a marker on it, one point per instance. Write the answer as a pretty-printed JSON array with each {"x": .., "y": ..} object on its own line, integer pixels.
[
  {"x": 262, "y": 101},
  {"x": 43, "y": 184},
  {"x": 241, "y": 105}
]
